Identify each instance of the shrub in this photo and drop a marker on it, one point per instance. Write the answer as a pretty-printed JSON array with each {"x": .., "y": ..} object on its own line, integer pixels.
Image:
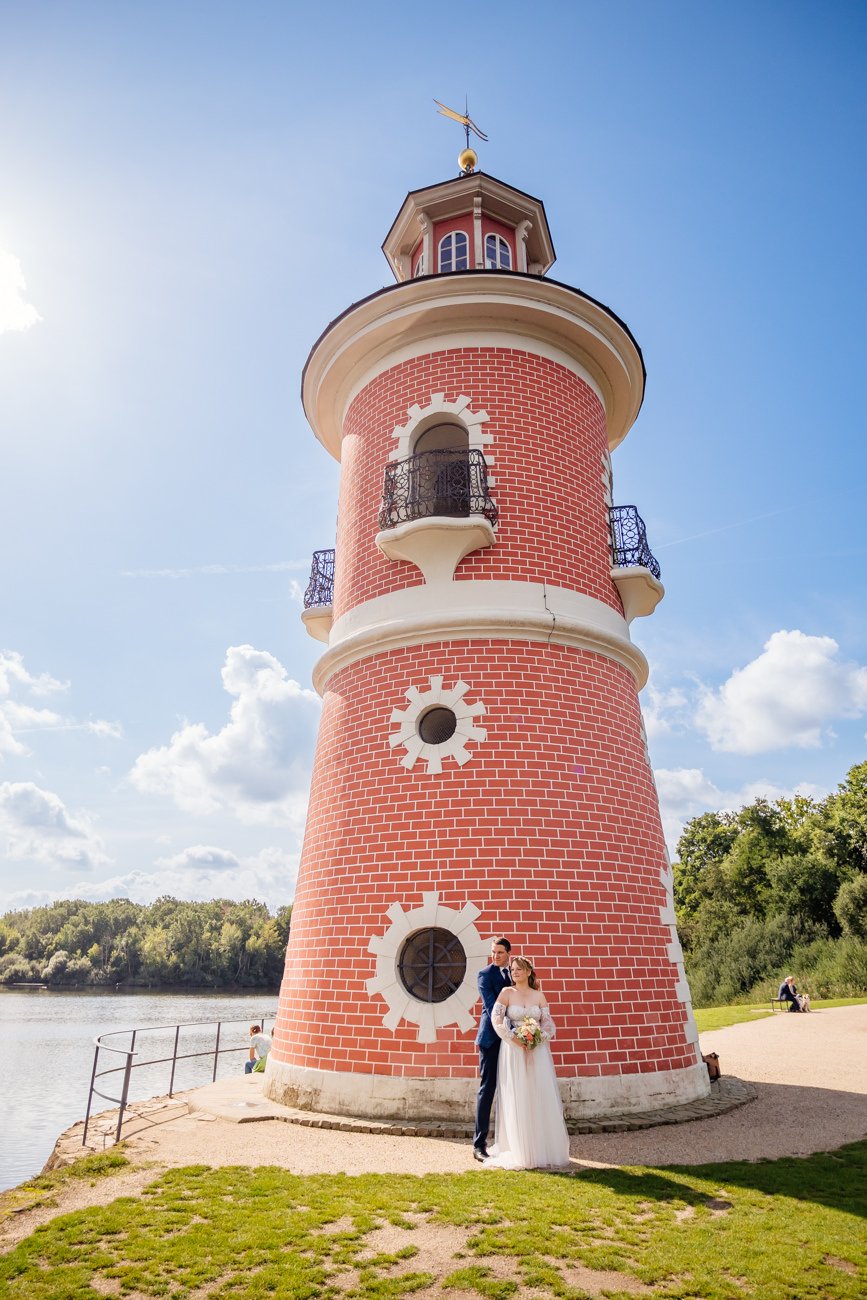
[
  {"x": 15, "y": 969},
  {"x": 850, "y": 907}
]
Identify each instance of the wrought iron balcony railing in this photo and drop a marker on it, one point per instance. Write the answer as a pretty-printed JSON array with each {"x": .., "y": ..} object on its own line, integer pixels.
[
  {"x": 629, "y": 540},
  {"x": 450, "y": 482},
  {"x": 320, "y": 588}
]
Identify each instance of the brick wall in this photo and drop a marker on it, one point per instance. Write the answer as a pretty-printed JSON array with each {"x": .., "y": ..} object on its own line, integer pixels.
[
  {"x": 549, "y": 437},
  {"x": 552, "y": 829}
]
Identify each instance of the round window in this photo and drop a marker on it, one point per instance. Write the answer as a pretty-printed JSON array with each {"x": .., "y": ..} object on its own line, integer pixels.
[
  {"x": 437, "y": 725},
  {"x": 432, "y": 965}
]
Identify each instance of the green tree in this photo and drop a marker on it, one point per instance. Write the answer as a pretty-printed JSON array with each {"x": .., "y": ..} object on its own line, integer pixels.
[
  {"x": 704, "y": 844},
  {"x": 847, "y": 815},
  {"x": 850, "y": 907}
]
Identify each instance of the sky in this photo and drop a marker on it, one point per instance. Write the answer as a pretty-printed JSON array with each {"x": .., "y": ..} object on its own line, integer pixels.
[{"x": 190, "y": 193}]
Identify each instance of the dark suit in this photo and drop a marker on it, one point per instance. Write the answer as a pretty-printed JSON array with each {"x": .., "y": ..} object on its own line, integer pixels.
[
  {"x": 788, "y": 994},
  {"x": 491, "y": 984}
]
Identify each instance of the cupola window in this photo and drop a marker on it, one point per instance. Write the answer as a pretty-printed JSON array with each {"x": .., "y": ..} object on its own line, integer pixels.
[
  {"x": 454, "y": 252},
  {"x": 498, "y": 254},
  {"x": 419, "y": 267}
]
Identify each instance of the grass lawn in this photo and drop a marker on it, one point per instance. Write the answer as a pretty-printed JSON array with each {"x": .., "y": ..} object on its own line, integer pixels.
[
  {"x": 707, "y": 1018},
  {"x": 773, "y": 1230}
]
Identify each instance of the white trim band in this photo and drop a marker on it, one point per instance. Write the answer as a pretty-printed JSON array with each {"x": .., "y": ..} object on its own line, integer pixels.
[
  {"x": 472, "y": 611},
  {"x": 420, "y": 313}
]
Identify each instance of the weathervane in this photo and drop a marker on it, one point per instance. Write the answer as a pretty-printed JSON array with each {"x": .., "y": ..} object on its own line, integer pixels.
[{"x": 468, "y": 158}]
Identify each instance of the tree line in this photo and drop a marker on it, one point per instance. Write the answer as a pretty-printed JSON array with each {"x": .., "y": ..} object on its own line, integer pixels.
[
  {"x": 220, "y": 944},
  {"x": 777, "y": 888}
]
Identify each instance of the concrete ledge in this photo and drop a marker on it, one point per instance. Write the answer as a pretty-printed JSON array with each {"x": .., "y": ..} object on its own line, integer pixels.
[
  {"x": 390, "y": 1098},
  {"x": 725, "y": 1095}
]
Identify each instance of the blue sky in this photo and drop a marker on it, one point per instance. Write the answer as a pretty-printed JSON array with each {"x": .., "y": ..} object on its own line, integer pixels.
[{"x": 189, "y": 193}]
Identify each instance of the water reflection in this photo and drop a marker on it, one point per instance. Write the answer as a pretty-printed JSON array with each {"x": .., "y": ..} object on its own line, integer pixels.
[{"x": 46, "y": 1057}]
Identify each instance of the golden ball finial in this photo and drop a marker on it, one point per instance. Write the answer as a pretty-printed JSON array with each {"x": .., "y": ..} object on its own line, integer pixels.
[{"x": 468, "y": 160}]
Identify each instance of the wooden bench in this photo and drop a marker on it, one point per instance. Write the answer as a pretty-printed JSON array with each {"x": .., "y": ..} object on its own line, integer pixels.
[{"x": 779, "y": 1004}]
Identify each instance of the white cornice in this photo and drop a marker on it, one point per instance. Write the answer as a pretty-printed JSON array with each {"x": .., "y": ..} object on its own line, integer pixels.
[
  {"x": 420, "y": 313},
  {"x": 477, "y": 610}
]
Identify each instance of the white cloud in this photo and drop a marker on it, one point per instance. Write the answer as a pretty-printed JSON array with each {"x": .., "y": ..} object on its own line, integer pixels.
[
  {"x": 40, "y": 829},
  {"x": 269, "y": 876},
  {"x": 202, "y": 857},
  {"x": 13, "y": 672},
  {"x": 218, "y": 570},
  {"x": 18, "y": 717},
  {"x": 257, "y": 766},
  {"x": 663, "y": 711},
  {"x": 111, "y": 730},
  {"x": 788, "y": 696},
  {"x": 16, "y": 313},
  {"x": 686, "y": 792}
]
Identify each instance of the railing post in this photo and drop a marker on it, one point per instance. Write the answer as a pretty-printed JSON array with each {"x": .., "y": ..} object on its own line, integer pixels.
[
  {"x": 174, "y": 1060},
  {"x": 125, "y": 1094},
  {"x": 216, "y": 1052},
  {"x": 90, "y": 1094}
]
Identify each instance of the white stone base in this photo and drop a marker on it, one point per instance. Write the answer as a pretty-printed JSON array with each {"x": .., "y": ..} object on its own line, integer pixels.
[{"x": 385, "y": 1096}]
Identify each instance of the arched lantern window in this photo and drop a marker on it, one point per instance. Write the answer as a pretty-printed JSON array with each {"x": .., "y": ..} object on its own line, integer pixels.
[
  {"x": 454, "y": 252},
  {"x": 498, "y": 254}
]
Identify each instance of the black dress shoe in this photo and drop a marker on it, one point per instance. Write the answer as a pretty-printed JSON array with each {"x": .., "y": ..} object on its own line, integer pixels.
[{"x": 480, "y": 1154}]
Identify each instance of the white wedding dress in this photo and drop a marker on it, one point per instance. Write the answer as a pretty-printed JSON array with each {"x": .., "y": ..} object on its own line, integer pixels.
[{"x": 529, "y": 1132}]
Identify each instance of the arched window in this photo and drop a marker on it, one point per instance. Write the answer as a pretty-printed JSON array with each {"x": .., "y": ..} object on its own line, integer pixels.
[
  {"x": 498, "y": 254},
  {"x": 419, "y": 267},
  {"x": 441, "y": 437},
  {"x": 441, "y": 470},
  {"x": 454, "y": 252}
]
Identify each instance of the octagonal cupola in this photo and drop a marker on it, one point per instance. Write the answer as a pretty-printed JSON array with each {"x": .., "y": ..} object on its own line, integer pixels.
[{"x": 471, "y": 223}]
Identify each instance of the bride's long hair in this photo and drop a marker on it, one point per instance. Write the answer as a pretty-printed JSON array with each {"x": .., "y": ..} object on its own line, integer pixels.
[{"x": 527, "y": 965}]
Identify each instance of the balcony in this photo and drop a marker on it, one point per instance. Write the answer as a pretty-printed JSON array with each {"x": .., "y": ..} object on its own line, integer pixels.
[
  {"x": 635, "y": 569},
  {"x": 436, "y": 508},
  {"x": 319, "y": 596}
]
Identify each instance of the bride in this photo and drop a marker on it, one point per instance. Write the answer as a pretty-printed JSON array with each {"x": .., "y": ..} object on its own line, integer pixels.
[{"x": 529, "y": 1132}]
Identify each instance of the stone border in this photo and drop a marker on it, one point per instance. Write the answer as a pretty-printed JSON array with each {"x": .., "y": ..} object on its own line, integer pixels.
[{"x": 726, "y": 1094}]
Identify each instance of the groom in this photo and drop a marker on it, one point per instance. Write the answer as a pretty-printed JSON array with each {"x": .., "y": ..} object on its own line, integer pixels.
[{"x": 491, "y": 980}]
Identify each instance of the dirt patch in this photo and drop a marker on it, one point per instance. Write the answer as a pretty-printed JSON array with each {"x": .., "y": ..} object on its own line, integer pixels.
[
  {"x": 843, "y": 1264},
  {"x": 440, "y": 1246},
  {"x": 597, "y": 1281},
  {"x": 77, "y": 1194}
]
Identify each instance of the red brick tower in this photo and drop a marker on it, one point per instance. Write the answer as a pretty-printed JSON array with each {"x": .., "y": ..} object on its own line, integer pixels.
[{"x": 481, "y": 766}]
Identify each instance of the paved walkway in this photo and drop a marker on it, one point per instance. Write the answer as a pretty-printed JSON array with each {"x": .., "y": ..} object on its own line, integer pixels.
[{"x": 808, "y": 1075}]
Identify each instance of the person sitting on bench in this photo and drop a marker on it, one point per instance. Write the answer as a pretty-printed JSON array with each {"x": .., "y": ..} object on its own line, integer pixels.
[{"x": 788, "y": 993}]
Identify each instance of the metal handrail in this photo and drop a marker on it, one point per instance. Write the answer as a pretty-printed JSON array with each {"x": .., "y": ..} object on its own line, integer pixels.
[
  {"x": 629, "y": 545},
  {"x": 130, "y": 1063},
  {"x": 449, "y": 481},
  {"x": 320, "y": 588}
]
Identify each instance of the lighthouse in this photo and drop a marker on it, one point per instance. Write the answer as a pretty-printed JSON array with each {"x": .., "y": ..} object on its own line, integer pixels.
[{"x": 481, "y": 767}]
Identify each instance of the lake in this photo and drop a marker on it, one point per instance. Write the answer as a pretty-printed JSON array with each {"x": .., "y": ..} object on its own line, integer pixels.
[{"x": 46, "y": 1057}]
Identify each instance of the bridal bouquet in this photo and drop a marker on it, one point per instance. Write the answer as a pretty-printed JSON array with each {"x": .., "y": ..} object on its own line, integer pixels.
[{"x": 527, "y": 1032}]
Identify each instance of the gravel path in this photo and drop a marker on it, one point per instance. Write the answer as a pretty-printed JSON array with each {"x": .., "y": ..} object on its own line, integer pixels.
[{"x": 810, "y": 1072}]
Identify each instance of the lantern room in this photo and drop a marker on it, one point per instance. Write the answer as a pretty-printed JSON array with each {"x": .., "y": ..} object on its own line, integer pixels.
[{"x": 471, "y": 223}]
